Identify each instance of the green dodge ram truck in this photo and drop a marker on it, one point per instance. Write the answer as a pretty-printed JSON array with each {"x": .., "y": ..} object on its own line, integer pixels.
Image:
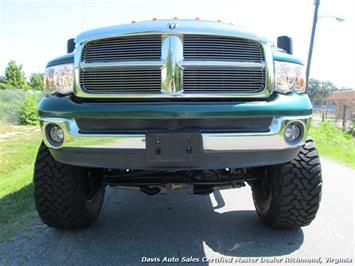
[{"x": 168, "y": 104}]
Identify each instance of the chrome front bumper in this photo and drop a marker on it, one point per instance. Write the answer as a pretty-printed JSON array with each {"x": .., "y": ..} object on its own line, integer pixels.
[{"x": 273, "y": 140}]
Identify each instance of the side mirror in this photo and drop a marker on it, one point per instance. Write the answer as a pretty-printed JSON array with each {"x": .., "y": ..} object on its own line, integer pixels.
[
  {"x": 70, "y": 45},
  {"x": 285, "y": 43}
]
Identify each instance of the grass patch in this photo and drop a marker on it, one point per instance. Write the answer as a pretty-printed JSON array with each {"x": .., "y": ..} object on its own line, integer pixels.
[
  {"x": 334, "y": 144},
  {"x": 18, "y": 150}
]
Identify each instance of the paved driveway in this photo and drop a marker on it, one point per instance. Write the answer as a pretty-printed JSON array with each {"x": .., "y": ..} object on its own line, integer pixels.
[{"x": 222, "y": 226}]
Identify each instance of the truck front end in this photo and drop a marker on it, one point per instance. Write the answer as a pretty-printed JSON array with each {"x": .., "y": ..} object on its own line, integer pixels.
[{"x": 184, "y": 102}]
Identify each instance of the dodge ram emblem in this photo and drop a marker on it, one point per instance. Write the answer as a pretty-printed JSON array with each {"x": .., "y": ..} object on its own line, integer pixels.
[{"x": 172, "y": 25}]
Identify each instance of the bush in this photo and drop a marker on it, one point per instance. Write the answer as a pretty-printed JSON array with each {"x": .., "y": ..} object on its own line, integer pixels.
[
  {"x": 16, "y": 106},
  {"x": 29, "y": 113}
]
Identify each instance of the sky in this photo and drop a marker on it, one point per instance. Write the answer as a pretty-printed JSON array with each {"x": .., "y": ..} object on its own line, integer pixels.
[{"x": 34, "y": 32}]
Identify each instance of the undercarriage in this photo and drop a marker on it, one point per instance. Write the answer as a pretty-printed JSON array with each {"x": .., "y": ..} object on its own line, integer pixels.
[{"x": 198, "y": 182}]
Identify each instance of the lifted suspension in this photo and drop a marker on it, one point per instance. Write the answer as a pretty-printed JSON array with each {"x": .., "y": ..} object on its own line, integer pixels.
[{"x": 201, "y": 181}]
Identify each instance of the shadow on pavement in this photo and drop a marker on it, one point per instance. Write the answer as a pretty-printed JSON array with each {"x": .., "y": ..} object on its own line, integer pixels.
[{"x": 133, "y": 225}]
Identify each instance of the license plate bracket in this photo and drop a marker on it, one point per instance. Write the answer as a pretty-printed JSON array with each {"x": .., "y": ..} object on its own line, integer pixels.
[{"x": 173, "y": 147}]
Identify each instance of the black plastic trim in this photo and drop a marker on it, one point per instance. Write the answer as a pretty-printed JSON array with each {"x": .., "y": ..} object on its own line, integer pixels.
[{"x": 141, "y": 126}]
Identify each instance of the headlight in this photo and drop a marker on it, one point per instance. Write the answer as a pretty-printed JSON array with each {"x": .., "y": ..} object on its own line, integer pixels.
[
  {"x": 289, "y": 77},
  {"x": 59, "y": 79}
]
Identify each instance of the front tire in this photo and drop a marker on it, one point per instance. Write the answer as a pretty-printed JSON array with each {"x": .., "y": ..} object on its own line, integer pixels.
[
  {"x": 66, "y": 197},
  {"x": 288, "y": 195}
]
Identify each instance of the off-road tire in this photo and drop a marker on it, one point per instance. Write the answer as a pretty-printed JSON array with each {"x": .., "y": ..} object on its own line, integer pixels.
[
  {"x": 61, "y": 193},
  {"x": 288, "y": 195}
]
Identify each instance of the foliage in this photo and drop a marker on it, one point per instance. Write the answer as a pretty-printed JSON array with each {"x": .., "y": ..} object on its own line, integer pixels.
[
  {"x": 14, "y": 77},
  {"x": 36, "y": 81},
  {"x": 334, "y": 143},
  {"x": 318, "y": 90},
  {"x": 10, "y": 105},
  {"x": 12, "y": 102},
  {"x": 28, "y": 112}
]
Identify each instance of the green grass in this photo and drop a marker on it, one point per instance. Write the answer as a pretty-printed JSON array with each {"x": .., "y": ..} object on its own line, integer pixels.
[
  {"x": 334, "y": 144},
  {"x": 18, "y": 150}
]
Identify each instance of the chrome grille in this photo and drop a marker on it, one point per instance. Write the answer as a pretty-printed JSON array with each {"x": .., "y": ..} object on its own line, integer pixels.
[
  {"x": 131, "y": 48},
  {"x": 121, "y": 80},
  {"x": 202, "y": 47},
  {"x": 172, "y": 65},
  {"x": 223, "y": 79}
]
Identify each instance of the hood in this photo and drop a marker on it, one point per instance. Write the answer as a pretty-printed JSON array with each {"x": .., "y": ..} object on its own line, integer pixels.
[{"x": 169, "y": 26}]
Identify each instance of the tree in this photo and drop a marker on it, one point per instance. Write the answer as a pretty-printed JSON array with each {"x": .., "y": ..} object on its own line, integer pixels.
[
  {"x": 14, "y": 77},
  {"x": 318, "y": 90},
  {"x": 36, "y": 81}
]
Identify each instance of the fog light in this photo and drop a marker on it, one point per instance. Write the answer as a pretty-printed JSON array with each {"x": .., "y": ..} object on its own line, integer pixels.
[
  {"x": 293, "y": 132},
  {"x": 56, "y": 134}
]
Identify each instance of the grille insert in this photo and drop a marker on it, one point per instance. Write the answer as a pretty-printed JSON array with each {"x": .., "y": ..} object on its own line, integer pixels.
[
  {"x": 223, "y": 79},
  {"x": 121, "y": 80},
  {"x": 131, "y": 48},
  {"x": 202, "y": 47},
  {"x": 143, "y": 126}
]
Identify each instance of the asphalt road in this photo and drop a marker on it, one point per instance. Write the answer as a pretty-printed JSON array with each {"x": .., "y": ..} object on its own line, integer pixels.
[{"x": 222, "y": 227}]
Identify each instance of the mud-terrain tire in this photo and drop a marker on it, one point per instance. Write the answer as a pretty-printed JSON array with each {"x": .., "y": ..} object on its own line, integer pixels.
[
  {"x": 288, "y": 195},
  {"x": 66, "y": 197}
]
